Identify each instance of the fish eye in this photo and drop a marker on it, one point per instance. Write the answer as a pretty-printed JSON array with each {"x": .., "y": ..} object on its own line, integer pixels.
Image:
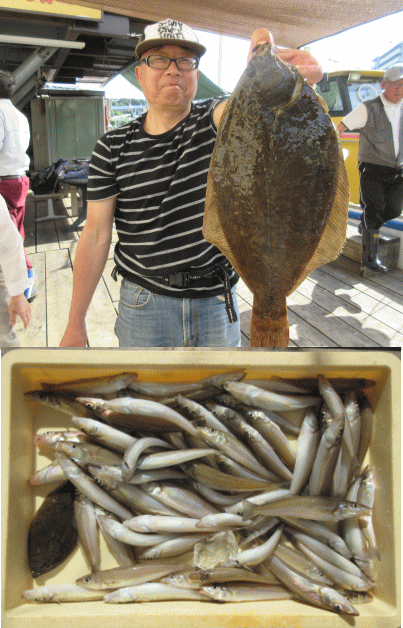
[
  {"x": 87, "y": 579},
  {"x": 338, "y": 608}
]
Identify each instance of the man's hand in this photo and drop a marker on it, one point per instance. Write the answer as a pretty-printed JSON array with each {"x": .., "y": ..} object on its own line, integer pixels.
[
  {"x": 19, "y": 306},
  {"x": 74, "y": 336},
  {"x": 306, "y": 64}
]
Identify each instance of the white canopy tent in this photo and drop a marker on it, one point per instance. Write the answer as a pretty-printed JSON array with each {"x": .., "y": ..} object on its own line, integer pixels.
[{"x": 292, "y": 22}]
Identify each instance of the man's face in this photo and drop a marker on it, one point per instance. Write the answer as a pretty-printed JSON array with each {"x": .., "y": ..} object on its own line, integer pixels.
[
  {"x": 393, "y": 90},
  {"x": 170, "y": 88}
]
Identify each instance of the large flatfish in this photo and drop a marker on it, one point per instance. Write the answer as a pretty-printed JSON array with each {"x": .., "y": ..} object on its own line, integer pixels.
[{"x": 277, "y": 194}]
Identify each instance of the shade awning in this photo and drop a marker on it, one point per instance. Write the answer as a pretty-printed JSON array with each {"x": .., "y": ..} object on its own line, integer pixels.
[
  {"x": 292, "y": 22},
  {"x": 205, "y": 87}
]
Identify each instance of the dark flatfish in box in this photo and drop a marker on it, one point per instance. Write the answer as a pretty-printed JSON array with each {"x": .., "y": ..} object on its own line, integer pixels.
[
  {"x": 277, "y": 193},
  {"x": 52, "y": 535}
]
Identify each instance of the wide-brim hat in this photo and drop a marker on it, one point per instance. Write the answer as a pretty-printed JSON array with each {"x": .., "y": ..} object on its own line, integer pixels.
[
  {"x": 395, "y": 73},
  {"x": 169, "y": 32}
]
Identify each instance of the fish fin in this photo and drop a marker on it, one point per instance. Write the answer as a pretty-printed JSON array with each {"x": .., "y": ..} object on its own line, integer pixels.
[
  {"x": 334, "y": 235},
  {"x": 322, "y": 102},
  {"x": 248, "y": 508},
  {"x": 269, "y": 332},
  {"x": 212, "y": 229}
]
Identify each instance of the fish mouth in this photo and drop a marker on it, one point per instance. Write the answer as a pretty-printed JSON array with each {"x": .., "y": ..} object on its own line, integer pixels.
[{"x": 261, "y": 48}]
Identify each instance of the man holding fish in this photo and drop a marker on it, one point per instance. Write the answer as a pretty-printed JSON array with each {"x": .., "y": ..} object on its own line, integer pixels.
[{"x": 150, "y": 176}]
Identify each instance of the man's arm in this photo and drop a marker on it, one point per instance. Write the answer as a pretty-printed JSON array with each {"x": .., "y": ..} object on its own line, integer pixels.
[
  {"x": 91, "y": 256},
  {"x": 341, "y": 128},
  {"x": 307, "y": 65}
]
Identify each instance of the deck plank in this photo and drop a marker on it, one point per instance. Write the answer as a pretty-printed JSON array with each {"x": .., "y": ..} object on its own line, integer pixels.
[
  {"x": 335, "y": 327},
  {"x": 367, "y": 319},
  {"x": 333, "y": 307},
  {"x": 59, "y": 288},
  {"x": 46, "y": 233}
]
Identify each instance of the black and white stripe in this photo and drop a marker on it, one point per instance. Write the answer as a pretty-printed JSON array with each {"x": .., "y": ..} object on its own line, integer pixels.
[{"x": 160, "y": 184}]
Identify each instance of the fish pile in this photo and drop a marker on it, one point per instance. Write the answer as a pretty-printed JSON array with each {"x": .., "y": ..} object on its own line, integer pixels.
[
  {"x": 206, "y": 490},
  {"x": 277, "y": 194}
]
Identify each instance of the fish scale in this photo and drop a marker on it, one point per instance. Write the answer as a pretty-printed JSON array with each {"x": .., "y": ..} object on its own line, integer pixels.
[{"x": 277, "y": 194}]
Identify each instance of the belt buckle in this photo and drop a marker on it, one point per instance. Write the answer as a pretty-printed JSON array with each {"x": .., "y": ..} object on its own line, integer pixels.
[{"x": 179, "y": 280}]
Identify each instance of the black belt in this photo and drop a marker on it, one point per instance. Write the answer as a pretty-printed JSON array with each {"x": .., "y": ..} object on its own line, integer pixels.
[
  {"x": 17, "y": 176},
  {"x": 185, "y": 278}
]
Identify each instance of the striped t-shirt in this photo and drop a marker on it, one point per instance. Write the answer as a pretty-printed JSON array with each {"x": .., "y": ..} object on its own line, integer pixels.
[{"x": 160, "y": 184}]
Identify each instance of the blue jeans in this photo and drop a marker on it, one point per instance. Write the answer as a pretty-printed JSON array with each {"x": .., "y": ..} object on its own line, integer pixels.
[{"x": 146, "y": 319}]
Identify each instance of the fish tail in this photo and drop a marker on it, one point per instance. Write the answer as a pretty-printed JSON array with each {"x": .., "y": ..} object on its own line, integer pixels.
[
  {"x": 269, "y": 332},
  {"x": 247, "y": 509}
]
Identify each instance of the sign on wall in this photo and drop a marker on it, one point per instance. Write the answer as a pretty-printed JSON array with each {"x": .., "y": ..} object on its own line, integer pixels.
[{"x": 52, "y": 7}]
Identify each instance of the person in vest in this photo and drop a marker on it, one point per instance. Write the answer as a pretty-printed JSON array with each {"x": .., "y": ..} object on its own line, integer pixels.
[
  {"x": 150, "y": 177},
  {"x": 380, "y": 158}
]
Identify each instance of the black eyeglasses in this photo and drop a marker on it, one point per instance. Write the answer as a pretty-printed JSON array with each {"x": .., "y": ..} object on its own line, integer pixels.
[{"x": 162, "y": 63}]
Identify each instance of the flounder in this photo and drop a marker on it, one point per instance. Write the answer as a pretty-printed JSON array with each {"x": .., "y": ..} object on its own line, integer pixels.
[
  {"x": 277, "y": 193},
  {"x": 52, "y": 534}
]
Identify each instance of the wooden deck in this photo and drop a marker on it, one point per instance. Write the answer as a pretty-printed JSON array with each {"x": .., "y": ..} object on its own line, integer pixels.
[{"x": 334, "y": 307}]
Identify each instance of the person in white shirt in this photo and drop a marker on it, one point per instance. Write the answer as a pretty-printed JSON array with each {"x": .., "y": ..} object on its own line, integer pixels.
[
  {"x": 14, "y": 161},
  {"x": 14, "y": 280},
  {"x": 380, "y": 159}
]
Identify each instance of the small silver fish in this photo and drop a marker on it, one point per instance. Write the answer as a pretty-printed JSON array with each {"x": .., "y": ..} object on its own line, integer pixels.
[
  {"x": 103, "y": 385},
  {"x": 141, "y": 414},
  {"x": 118, "y": 577},
  {"x": 268, "y": 400},
  {"x": 171, "y": 389},
  {"x": 313, "y": 592},
  {"x": 66, "y": 592},
  {"x": 150, "y": 592},
  {"x": 251, "y": 592},
  {"x": 319, "y": 508}
]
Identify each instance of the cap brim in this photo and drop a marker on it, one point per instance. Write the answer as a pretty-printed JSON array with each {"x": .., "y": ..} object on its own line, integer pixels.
[
  {"x": 148, "y": 44},
  {"x": 393, "y": 78}
]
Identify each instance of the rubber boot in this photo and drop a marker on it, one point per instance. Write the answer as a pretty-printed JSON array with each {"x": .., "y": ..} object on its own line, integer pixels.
[{"x": 370, "y": 250}]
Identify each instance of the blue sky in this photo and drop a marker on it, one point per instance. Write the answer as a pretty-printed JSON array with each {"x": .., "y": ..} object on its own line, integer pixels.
[{"x": 355, "y": 48}]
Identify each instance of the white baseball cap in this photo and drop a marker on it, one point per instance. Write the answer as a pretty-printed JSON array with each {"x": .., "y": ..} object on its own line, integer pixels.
[
  {"x": 395, "y": 73},
  {"x": 169, "y": 32}
]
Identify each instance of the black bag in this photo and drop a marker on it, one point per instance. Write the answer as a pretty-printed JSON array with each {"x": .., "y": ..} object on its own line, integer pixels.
[{"x": 47, "y": 181}]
